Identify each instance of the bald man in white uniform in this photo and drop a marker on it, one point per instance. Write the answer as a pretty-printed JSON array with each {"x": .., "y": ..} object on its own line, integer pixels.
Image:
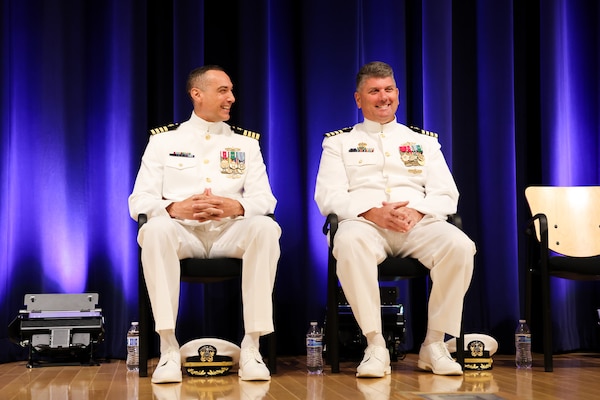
[{"x": 206, "y": 192}]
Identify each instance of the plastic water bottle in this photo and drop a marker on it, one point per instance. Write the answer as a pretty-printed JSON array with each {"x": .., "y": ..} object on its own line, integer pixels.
[
  {"x": 314, "y": 349},
  {"x": 133, "y": 347},
  {"x": 523, "y": 357}
]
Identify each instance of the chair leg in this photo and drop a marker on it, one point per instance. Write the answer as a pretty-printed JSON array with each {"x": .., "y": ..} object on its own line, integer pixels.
[
  {"x": 272, "y": 359},
  {"x": 547, "y": 323},
  {"x": 419, "y": 288},
  {"x": 273, "y": 341},
  {"x": 332, "y": 326},
  {"x": 145, "y": 324},
  {"x": 528, "y": 296},
  {"x": 460, "y": 345}
]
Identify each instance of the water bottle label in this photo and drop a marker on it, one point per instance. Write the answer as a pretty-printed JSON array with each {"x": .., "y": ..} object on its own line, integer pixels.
[
  {"x": 523, "y": 339},
  {"x": 132, "y": 341},
  {"x": 314, "y": 342}
]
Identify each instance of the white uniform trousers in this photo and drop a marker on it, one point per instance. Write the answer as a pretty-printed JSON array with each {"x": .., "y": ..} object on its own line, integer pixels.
[
  {"x": 440, "y": 246},
  {"x": 165, "y": 241}
]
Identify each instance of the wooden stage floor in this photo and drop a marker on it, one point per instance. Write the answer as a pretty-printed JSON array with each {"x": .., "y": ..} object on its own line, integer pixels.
[{"x": 575, "y": 376}]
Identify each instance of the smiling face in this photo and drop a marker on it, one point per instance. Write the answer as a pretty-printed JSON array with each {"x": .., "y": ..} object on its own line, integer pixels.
[
  {"x": 212, "y": 95},
  {"x": 378, "y": 99}
]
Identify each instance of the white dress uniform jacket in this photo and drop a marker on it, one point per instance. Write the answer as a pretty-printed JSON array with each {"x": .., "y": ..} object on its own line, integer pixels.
[
  {"x": 373, "y": 163},
  {"x": 185, "y": 161}
]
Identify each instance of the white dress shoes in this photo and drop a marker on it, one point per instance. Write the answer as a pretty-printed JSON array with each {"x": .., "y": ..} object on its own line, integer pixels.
[
  {"x": 252, "y": 366},
  {"x": 375, "y": 363},
  {"x": 436, "y": 358},
  {"x": 168, "y": 369}
]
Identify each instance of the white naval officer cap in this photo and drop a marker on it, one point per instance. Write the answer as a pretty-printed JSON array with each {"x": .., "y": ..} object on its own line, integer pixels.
[
  {"x": 209, "y": 357},
  {"x": 479, "y": 350}
]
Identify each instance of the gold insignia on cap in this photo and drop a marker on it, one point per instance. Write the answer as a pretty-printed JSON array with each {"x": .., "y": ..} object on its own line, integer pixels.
[
  {"x": 207, "y": 353},
  {"x": 207, "y": 362},
  {"x": 476, "y": 348},
  {"x": 164, "y": 128},
  {"x": 423, "y": 131},
  {"x": 477, "y": 358},
  {"x": 245, "y": 132}
]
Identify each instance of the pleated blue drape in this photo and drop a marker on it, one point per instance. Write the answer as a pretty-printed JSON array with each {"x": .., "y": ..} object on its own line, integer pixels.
[{"x": 511, "y": 87}]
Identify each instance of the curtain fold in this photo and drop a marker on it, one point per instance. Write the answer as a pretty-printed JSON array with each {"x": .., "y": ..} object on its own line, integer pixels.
[{"x": 510, "y": 87}]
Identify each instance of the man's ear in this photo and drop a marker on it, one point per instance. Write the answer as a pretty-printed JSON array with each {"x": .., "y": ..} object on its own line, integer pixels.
[
  {"x": 357, "y": 99},
  {"x": 196, "y": 94}
]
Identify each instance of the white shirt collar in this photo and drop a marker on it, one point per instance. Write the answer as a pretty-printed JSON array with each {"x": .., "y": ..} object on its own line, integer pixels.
[
  {"x": 376, "y": 127},
  {"x": 205, "y": 126}
]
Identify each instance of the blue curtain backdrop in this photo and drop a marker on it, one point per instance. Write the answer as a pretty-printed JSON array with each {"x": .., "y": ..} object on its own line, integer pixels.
[{"x": 512, "y": 88}]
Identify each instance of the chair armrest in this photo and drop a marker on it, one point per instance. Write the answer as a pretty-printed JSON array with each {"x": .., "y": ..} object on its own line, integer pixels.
[
  {"x": 456, "y": 220},
  {"x": 330, "y": 226},
  {"x": 530, "y": 229},
  {"x": 142, "y": 219},
  {"x": 543, "y": 221}
]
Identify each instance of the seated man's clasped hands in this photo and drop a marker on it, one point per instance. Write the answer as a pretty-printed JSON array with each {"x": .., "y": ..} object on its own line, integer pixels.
[{"x": 394, "y": 216}]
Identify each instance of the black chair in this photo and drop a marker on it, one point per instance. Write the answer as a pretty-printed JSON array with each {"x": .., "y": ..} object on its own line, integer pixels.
[
  {"x": 564, "y": 242},
  {"x": 391, "y": 268},
  {"x": 194, "y": 270}
]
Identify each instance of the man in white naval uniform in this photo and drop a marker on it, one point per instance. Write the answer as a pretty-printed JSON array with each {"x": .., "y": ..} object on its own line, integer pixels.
[
  {"x": 392, "y": 190},
  {"x": 206, "y": 193}
]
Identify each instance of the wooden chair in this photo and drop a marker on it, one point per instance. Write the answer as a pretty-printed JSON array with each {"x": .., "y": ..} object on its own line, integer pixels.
[
  {"x": 391, "y": 268},
  {"x": 193, "y": 270},
  {"x": 564, "y": 242}
]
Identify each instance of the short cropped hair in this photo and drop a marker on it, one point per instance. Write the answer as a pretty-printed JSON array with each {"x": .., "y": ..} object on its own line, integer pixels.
[
  {"x": 196, "y": 77},
  {"x": 375, "y": 69}
]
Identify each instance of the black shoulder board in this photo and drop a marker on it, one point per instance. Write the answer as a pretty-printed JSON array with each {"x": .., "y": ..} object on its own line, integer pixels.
[
  {"x": 245, "y": 132},
  {"x": 164, "y": 128},
  {"x": 333, "y": 133},
  {"x": 423, "y": 131}
]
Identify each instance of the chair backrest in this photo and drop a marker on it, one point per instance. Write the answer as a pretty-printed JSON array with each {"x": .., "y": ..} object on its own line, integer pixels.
[{"x": 573, "y": 214}]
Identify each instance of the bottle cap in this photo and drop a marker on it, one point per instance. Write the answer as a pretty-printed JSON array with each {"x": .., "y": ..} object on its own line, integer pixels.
[
  {"x": 522, "y": 321},
  {"x": 313, "y": 323},
  {"x": 134, "y": 323}
]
